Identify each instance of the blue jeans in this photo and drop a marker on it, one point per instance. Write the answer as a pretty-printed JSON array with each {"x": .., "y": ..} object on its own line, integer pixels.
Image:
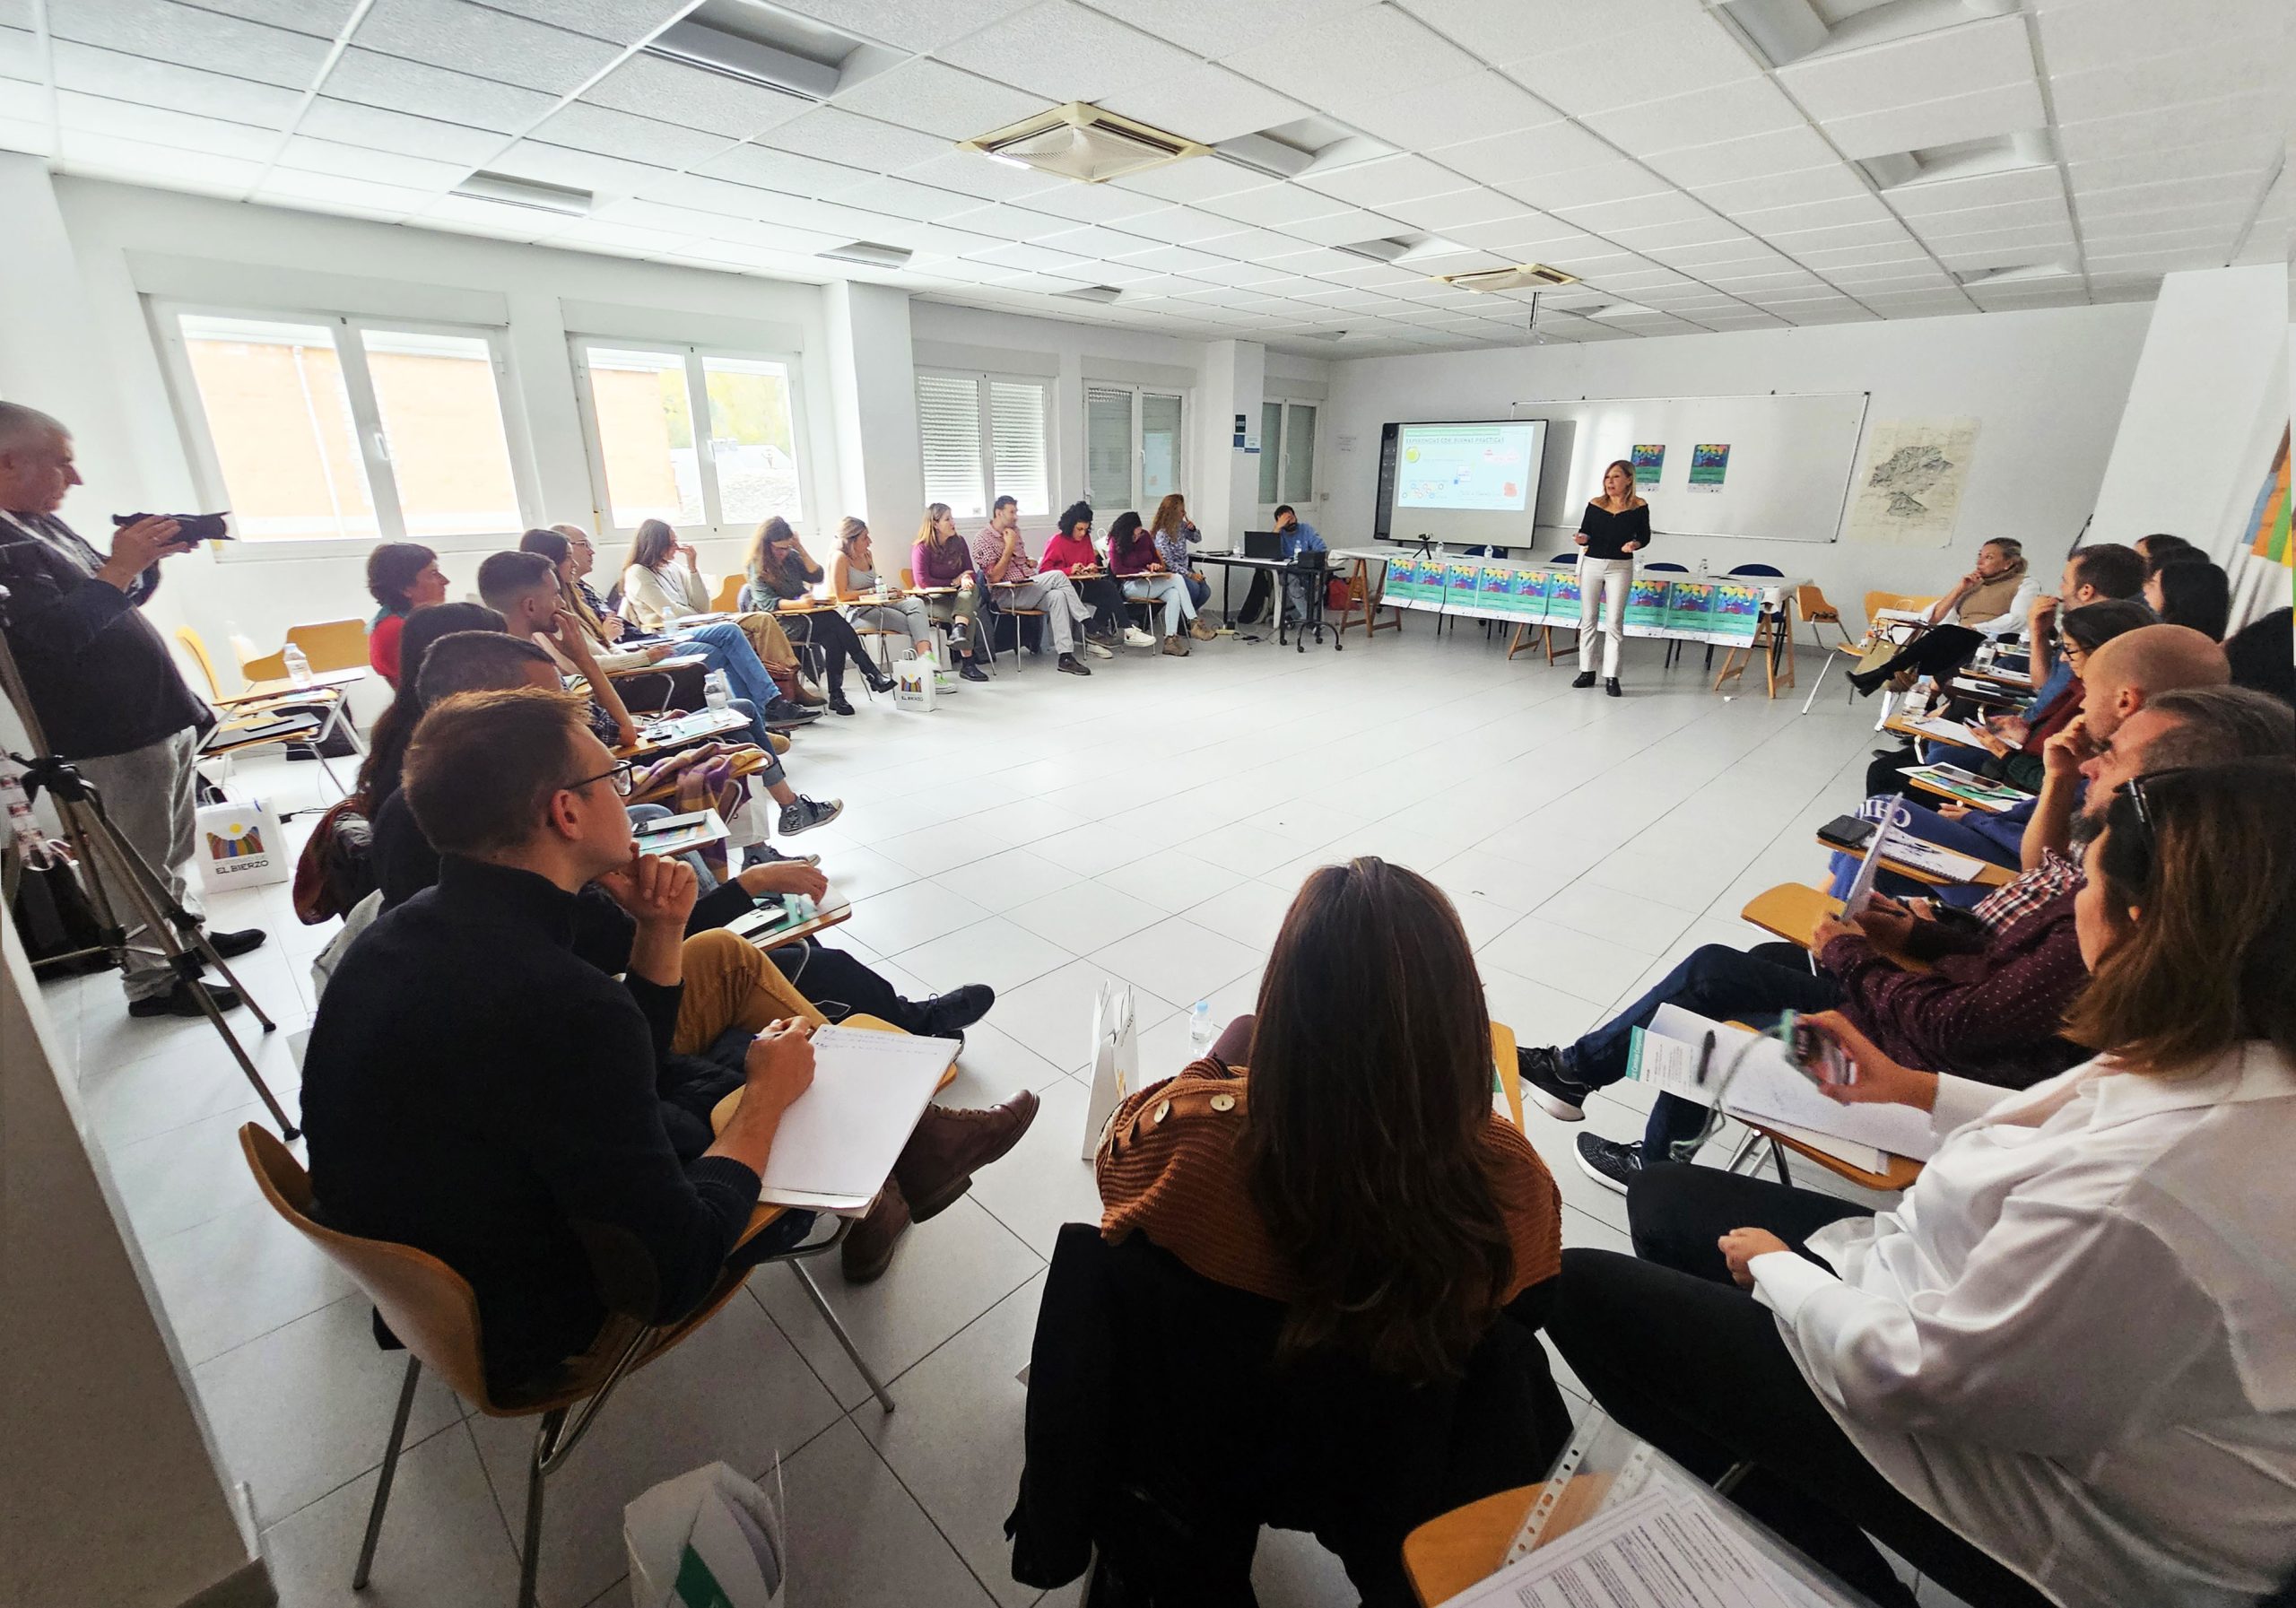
[
  {"x": 1199, "y": 592},
  {"x": 723, "y": 646},
  {"x": 770, "y": 773},
  {"x": 1716, "y": 981}
]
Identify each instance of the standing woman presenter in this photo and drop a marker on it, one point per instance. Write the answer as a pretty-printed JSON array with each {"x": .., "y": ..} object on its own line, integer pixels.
[{"x": 1615, "y": 528}]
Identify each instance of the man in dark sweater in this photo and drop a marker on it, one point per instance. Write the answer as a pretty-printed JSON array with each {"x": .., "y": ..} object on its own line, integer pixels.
[{"x": 108, "y": 695}]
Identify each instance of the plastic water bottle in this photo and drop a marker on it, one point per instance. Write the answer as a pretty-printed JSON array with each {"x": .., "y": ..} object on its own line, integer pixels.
[
  {"x": 717, "y": 689},
  {"x": 1199, "y": 1029},
  {"x": 1701, "y": 568},
  {"x": 299, "y": 665}
]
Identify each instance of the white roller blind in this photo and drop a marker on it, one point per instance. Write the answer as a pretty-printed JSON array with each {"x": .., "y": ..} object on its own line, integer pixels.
[
  {"x": 1017, "y": 445},
  {"x": 1160, "y": 447},
  {"x": 1107, "y": 447},
  {"x": 1300, "y": 453},
  {"x": 948, "y": 421}
]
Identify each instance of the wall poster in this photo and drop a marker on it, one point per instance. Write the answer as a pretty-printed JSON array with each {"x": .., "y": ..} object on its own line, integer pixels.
[
  {"x": 1910, "y": 492},
  {"x": 1709, "y": 463}
]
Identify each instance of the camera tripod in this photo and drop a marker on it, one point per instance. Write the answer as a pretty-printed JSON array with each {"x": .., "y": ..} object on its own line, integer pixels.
[{"x": 111, "y": 864}]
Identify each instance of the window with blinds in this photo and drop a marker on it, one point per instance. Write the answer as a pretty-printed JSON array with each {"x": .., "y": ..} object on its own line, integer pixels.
[
  {"x": 1134, "y": 453},
  {"x": 1109, "y": 450},
  {"x": 983, "y": 438}
]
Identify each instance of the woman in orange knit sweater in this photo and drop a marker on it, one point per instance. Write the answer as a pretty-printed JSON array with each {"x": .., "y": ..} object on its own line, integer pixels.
[{"x": 1338, "y": 1152}]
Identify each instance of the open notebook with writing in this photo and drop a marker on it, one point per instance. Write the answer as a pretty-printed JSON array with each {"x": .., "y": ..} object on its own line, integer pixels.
[{"x": 837, "y": 1143}]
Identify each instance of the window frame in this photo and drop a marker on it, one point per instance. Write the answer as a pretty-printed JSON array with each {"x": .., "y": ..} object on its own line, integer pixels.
[
  {"x": 1140, "y": 390},
  {"x": 1280, "y": 449},
  {"x": 983, "y": 413},
  {"x": 166, "y": 315},
  {"x": 695, "y": 355}
]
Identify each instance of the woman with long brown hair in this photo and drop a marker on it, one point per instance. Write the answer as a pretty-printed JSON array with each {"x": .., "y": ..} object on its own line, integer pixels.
[
  {"x": 2059, "y": 1368},
  {"x": 1175, "y": 532},
  {"x": 781, "y": 572},
  {"x": 661, "y": 582},
  {"x": 940, "y": 558}
]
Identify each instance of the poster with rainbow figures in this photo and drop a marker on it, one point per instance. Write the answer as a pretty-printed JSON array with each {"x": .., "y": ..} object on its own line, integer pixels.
[
  {"x": 1462, "y": 583},
  {"x": 1646, "y": 605},
  {"x": 1737, "y": 613},
  {"x": 1407, "y": 584},
  {"x": 1528, "y": 584},
  {"x": 1690, "y": 608}
]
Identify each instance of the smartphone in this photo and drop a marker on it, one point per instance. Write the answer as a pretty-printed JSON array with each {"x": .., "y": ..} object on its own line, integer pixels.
[
  {"x": 1817, "y": 1057},
  {"x": 1846, "y": 831}
]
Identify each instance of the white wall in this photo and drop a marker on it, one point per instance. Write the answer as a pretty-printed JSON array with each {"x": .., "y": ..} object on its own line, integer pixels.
[{"x": 2047, "y": 387}]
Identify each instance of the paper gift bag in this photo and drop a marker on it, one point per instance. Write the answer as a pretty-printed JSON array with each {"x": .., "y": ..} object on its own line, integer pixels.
[
  {"x": 1116, "y": 1058},
  {"x": 915, "y": 686},
  {"x": 242, "y": 846},
  {"x": 707, "y": 1539}
]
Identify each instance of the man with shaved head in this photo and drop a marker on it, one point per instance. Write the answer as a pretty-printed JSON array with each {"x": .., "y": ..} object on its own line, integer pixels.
[{"x": 102, "y": 683}]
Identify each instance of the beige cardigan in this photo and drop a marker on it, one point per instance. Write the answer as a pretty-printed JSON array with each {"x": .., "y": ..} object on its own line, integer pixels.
[{"x": 659, "y": 597}]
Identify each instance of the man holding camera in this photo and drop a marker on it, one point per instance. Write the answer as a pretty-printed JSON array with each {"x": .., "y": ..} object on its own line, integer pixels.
[{"x": 101, "y": 681}]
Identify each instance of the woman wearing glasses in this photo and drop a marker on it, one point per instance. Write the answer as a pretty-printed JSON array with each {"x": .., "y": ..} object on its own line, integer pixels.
[{"x": 2059, "y": 1370}]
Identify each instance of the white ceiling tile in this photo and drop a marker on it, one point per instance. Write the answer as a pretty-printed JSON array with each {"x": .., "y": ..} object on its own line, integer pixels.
[
  {"x": 1739, "y": 109},
  {"x": 161, "y": 126},
  {"x": 1009, "y": 222},
  {"x": 623, "y": 21},
  {"x": 2014, "y": 185},
  {"x": 940, "y": 99},
  {"x": 1090, "y": 203},
  {"x": 921, "y": 203},
  {"x": 1695, "y": 259},
  {"x": 1696, "y": 231},
  {"x": 912, "y": 24},
  {"x": 2237, "y": 190},
  {"x": 1529, "y": 229},
  {"x": 1980, "y": 115},
  {"x": 2205, "y": 73},
  {"x": 1322, "y": 259},
  {"x": 108, "y": 72},
  {"x": 1461, "y": 209},
  {"x": 1886, "y": 232},
  {"x": 106, "y": 155},
  {"x": 396, "y": 84},
  {"x": 1390, "y": 178},
  {"x": 1603, "y": 69},
  {"x": 309, "y": 155},
  {"x": 1234, "y": 274},
  {"x": 1203, "y": 102},
  {"x": 1238, "y": 245},
  {"x": 2250, "y": 154},
  {"x": 1273, "y": 205},
  {"x": 601, "y": 128},
  {"x": 840, "y": 136},
  {"x": 1614, "y": 178},
  {"x": 323, "y": 18},
  {"x": 1346, "y": 228},
  {"x": 457, "y": 33},
  {"x": 589, "y": 171},
  {"x": 1171, "y": 259},
  {"x": 1787, "y": 151},
  {"x": 1212, "y": 28},
  {"x": 1194, "y": 180},
  {"x": 1065, "y": 51},
  {"x": 329, "y": 192},
  {"x": 972, "y": 174},
  {"x": 702, "y": 192},
  {"x": 1525, "y": 153},
  {"x": 784, "y": 171},
  {"x": 185, "y": 38},
  {"x": 1982, "y": 55},
  {"x": 597, "y": 233},
  {"x": 1476, "y": 106},
  {"x": 1832, "y": 182},
  {"x": 1838, "y": 260},
  {"x": 1036, "y": 259},
  {"x": 2131, "y": 133},
  {"x": 350, "y": 124},
  {"x": 654, "y": 87},
  {"x": 1664, "y": 206},
  {"x": 1185, "y": 226},
  {"x": 2005, "y": 245},
  {"x": 20, "y": 57},
  {"x": 1360, "y": 56},
  {"x": 1840, "y": 212}
]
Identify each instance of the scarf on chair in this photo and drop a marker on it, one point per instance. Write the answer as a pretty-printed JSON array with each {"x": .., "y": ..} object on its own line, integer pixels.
[{"x": 1991, "y": 599}]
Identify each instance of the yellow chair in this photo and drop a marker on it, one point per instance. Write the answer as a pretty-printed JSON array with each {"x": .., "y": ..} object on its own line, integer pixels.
[
  {"x": 1810, "y": 606},
  {"x": 264, "y": 703},
  {"x": 434, "y": 1312},
  {"x": 727, "y": 598},
  {"x": 332, "y": 644}
]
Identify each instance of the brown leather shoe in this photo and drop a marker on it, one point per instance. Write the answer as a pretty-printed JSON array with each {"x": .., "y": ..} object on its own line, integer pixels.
[
  {"x": 868, "y": 1249},
  {"x": 949, "y": 1146}
]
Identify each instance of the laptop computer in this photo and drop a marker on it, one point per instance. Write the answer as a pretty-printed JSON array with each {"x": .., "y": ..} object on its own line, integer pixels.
[{"x": 1263, "y": 544}]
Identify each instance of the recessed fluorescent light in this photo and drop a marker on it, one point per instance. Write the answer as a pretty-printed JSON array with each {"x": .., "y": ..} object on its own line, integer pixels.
[
  {"x": 2014, "y": 274},
  {"x": 1613, "y": 310},
  {"x": 871, "y": 252},
  {"x": 512, "y": 191},
  {"x": 1079, "y": 141},
  {"x": 1261, "y": 155},
  {"x": 717, "y": 50},
  {"x": 1091, "y": 294}
]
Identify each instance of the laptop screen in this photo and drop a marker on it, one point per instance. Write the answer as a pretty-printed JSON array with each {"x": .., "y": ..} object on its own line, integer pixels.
[{"x": 1263, "y": 544}]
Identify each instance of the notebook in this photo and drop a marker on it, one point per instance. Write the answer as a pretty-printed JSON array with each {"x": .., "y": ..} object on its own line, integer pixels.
[{"x": 836, "y": 1144}]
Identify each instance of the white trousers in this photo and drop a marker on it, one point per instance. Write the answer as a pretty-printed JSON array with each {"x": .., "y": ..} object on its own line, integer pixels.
[
  {"x": 1169, "y": 592},
  {"x": 1053, "y": 592},
  {"x": 1602, "y": 587}
]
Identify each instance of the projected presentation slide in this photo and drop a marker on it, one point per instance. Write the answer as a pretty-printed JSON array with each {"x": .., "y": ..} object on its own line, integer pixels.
[{"x": 1487, "y": 468}]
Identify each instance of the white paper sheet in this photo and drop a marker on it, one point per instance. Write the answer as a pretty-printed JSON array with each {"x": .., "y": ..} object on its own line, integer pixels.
[
  {"x": 1770, "y": 1088},
  {"x": 837, "y": 1143}
]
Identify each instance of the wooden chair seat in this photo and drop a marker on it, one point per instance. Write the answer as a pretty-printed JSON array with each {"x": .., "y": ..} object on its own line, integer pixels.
[{"x": 1792, "y": 911}]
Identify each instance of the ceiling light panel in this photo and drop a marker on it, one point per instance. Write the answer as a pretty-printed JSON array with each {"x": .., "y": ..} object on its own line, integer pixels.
[{"x": 454, "y": 34}]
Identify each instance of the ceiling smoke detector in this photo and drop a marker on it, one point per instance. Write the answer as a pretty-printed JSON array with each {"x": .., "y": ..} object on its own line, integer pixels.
[
  {"x": 1528, "y": 276},
  {"x": 1079, "y": 141}
]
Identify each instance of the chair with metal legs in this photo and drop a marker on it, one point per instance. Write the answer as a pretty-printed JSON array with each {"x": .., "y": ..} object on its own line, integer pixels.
[{"x": 432, "y": 1311}]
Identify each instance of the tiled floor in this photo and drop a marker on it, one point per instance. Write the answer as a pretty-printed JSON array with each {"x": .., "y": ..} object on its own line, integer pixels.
[{"x": 1041, "y": 834}]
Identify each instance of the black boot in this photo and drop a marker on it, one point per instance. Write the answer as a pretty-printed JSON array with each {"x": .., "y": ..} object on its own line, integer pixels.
[
  {"x": 1585, "y": 678},
  {"x": 1610, "y": 687}
]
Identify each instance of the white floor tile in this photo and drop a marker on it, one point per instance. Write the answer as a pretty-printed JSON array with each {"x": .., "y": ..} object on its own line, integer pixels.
[
  {"x": 1085, "y": 915},
  {"x": 1179, "y": 959},
  {"x": 240, "y": 1275},
  {"x": 991, "y": 951},
  {"x": 1575, "y": 962},
  {"x": 1046, "y": 1181},
  {"x": 857, "y": 1539},
  {"x": 443, "y": 1544},
  {"x": 998, "y": 881}
]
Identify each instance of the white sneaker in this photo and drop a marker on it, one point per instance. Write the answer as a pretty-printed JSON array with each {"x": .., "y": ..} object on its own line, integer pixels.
[
  {"x": 1097, "y": 651},
  {"x": 1134, "y": 637}
]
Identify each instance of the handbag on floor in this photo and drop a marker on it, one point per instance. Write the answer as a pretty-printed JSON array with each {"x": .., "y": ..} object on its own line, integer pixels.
[
  {"x": 1115, "y": 1059},
  {"x": 708, "y": 1539}
]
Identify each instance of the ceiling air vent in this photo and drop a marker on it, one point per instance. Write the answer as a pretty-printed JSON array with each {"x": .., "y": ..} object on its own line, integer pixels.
[
  {"x": 1529, "y": 276},
  {"x": 1090, "y": 293},
  {"x": 1079, "y": 141},
  {"x": 511, "y": 191},
  {"x": 869, "y": 252},
  {"x": 728, "y": 54}
]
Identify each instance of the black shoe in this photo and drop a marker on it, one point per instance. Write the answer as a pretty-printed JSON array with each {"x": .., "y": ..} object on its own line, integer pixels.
[
  {"x": 946, "y": 1015},
  {"x": 803, "y": 814},
  {"x": 1868, "y": 681},
  {"x": 879, "y": 684},
  {"x": 969, "y": 671},
  {"x": 1069, "y": 664},
  {"x": 231, "y": 945},
  {"x": 765, "y": 854},
  {"x": 781, "y": 711},
  {"x": 1610, "y": 1162},
  {"x": 1557, "y": 1093},
  {"x": 1585, "y": 678},
  {"x": 1610, "y": 687},
  {"x": 838, "y": 706},
  {"x": 178, "y": 1000}
]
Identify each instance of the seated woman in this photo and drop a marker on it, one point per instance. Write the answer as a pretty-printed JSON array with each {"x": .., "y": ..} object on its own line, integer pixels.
[
  {"x": 873, "y": 600},
  {"x": 662, "y": 590},
  {"x": 403, "y": 577},
  {"x": 2057, "y": 1369},
  {"x": 1139, "y": 569},
  {"x": 2185, "y": 588},
  {"x": 938, "y": 558},
  {"x": 1990, "y": 602},
  {"x": 1175, "y": 532},
  {"x": 1071, "y": 552},
  {"x": 779, "y": 570},
  {"x": 1336, "y": 1157},
  {"x": 2011, "y": 743}
]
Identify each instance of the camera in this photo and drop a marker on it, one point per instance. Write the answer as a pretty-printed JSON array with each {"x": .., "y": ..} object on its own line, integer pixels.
[{"x": 197, "y": 528}]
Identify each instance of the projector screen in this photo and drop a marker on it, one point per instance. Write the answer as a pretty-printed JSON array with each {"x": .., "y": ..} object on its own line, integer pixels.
[{"x": 1474, "y": 480}]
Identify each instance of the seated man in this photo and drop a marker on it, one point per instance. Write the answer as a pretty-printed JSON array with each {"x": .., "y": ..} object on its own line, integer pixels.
[
  {"x": 2006, "y": 971},
  {"x": 523, "y": 586},
  {"x": 1298, "y": 537},
  {"x": 999, "y": 557},
  {"x": 476, "y": 1090},
  {"x": 405, "y": 863}
]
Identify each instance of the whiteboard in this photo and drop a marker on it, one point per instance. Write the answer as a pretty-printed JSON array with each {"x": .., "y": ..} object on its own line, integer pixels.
[{"x": 1792, "y": 458}]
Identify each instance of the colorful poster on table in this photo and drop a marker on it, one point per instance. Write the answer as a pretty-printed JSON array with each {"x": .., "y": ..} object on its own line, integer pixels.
[
  {"x": 1407, "y": 581},
  {"x": 1463, "y": 582},
  {"x": 1690, "y": 608},
  {"x": 1737, "y": 613},
  {"x": 1495, "y": 591},
  {"x": 1709, "y": 464},
  {"x": 1529, "y": 586},
  {"x": 1562, "y": 594},
  {"x": 1650, "y": 463},
  {"x": 1646, "y": 605}
]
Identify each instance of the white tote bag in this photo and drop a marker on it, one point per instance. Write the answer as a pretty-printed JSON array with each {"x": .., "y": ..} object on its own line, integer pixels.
[
  {"x": 240, "y": 844},
  {"x": 1116, "y": 1058},
  {"x": 707, "y": 1539}
]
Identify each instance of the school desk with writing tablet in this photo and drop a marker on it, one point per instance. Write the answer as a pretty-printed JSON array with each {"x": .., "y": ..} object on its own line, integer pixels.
[{"x": 1983, "y": 874}]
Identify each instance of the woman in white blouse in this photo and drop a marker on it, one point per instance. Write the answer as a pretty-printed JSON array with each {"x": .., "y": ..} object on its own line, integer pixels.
[{"x": 2062, "y": 1368}]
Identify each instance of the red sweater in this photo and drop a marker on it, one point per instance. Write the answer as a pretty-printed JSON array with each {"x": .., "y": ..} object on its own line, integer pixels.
[
  {"x": 382, "y": 646},
  {"x": 1064, "y": 552}
]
